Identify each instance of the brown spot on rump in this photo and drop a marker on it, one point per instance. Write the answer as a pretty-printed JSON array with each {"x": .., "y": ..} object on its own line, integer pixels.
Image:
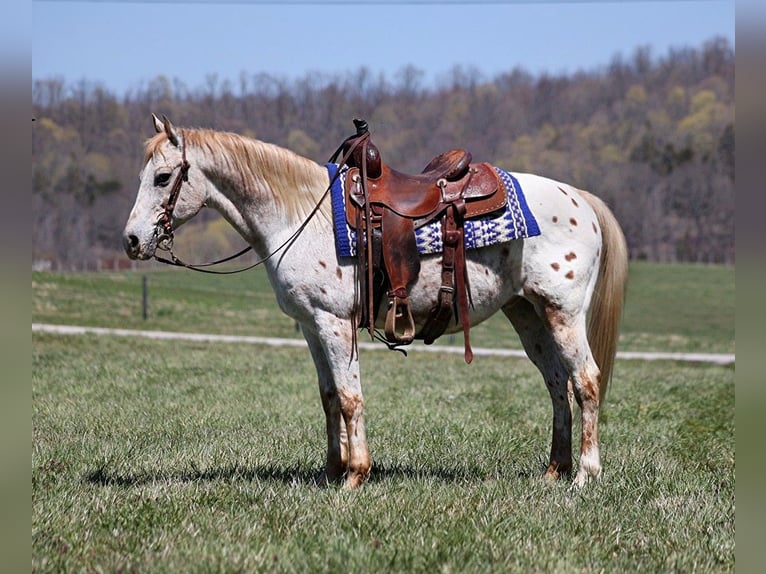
[
  {"x": 322, "y": 289},
  {"x": 571, "y": 255},
  {"x": 323, "y": 264},
  {"x": 555, "y": 219},
  {"x": 555, "y": 266},
  {"x": 339, "y": 272},
  {"x": 570, "y": 275},
  {"x": 573, "y": 221},
  {"x": 574, "y": 202},
  {"x": 595, "y": 229},
  {"x": 563, "y": 190}
]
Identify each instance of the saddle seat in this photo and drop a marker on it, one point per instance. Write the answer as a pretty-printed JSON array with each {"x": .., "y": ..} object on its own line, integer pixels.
[
  {"x": 451, "y": 165},
  {"x": 418, "y": 195},
  {"x": 448, "y": 177}
]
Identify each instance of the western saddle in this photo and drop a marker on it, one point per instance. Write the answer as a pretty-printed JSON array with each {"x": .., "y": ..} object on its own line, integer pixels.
[{"x": 385, "y": 206}]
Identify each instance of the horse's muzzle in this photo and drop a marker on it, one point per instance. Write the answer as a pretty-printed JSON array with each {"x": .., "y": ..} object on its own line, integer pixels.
[{"x": 133, "y": 248}]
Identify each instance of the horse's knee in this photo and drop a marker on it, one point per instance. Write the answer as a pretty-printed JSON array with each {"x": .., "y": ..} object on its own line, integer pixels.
[
  {"x": 585, "y": 385},
  {"x": 351, "y": 404}
]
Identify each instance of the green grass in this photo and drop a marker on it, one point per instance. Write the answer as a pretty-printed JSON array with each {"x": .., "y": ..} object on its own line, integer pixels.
[
  {"x": 174, "y": 456},
  {"x": 680, "y": 307},
  {"x": 670, "y": 307},
  {"x": 178, "y": 300},
  {"x": 169, "y": 457}
]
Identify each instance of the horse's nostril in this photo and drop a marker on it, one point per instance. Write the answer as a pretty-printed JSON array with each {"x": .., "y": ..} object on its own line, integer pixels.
[{"x": 130, "y": 243}]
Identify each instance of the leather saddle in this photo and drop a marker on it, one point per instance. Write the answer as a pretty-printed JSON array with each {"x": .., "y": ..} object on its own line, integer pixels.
[{"x": 385, "y": 206}]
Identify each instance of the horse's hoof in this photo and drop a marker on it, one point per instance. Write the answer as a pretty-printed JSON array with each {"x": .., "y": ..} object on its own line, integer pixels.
[
  {"x": 354, "y": 480},
  {"x": 554, "y": 472},
  {"x": 551, "y": 477},
  {"x": 585, "y": 476}
]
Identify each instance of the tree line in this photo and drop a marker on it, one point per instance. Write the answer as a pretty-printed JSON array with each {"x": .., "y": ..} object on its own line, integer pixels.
[{"x": 652, "y": 136}]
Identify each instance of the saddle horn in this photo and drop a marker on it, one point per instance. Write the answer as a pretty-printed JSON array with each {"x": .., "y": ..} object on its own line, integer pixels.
[{"x": 367, "y": 153}]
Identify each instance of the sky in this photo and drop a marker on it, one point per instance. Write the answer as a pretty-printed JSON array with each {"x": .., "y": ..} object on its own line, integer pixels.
[{"x": 122, "y": 45}]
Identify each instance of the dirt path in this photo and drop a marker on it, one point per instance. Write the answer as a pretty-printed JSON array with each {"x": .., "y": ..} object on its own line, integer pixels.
[{"x": 720, "y": 359}]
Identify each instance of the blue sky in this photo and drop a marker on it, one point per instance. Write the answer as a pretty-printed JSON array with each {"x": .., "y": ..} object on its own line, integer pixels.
[{"x": 123, "y": 45}]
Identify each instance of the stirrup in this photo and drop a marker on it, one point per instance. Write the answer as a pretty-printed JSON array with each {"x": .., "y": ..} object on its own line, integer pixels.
[{"x": 400, "y": 327}]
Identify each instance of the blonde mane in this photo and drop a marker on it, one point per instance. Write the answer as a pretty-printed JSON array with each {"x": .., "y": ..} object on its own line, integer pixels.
[{"x": 296, "y": 182}]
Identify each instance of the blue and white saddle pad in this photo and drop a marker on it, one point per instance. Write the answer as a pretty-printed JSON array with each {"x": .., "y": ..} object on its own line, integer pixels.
[{"x": 515, "y": 222}]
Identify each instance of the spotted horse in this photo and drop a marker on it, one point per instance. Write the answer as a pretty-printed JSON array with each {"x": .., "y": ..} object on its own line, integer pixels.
[{"x": 562, "y": 289}]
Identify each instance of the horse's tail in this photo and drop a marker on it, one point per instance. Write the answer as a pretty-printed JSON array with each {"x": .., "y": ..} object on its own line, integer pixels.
[{"x": 609, "y": 293}]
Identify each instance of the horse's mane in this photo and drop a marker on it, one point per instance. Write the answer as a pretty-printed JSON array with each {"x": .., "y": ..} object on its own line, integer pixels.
[{"x": 293, "y": 179}]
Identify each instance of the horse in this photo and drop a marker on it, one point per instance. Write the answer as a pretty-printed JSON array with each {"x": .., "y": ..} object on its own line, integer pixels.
[{"x": 563, "y": 291}]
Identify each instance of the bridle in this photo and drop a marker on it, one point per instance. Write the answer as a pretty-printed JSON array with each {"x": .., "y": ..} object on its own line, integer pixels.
[{"x": 164, "y": 227}]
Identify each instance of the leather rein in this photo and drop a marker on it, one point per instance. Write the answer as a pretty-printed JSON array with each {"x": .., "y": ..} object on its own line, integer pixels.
[{"x": 164, "y": 227}]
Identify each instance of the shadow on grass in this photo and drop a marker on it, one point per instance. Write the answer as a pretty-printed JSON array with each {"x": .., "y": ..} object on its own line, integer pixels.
[
  {"x": 383, "y": 472},
  {"x": 102, "y": 476}
]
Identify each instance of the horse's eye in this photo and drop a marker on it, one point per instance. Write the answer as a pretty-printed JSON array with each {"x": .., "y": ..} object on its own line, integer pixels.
[{"x": 161, "y": 179}]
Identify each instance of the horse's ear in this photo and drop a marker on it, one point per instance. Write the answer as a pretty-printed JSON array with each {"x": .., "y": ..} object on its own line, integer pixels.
[
  {"x": 158, "y": 127},
  {"x": 170, "y": 131}
]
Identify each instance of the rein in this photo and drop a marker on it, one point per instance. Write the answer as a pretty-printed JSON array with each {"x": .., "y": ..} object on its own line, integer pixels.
[{"x": 164, "y": 228}]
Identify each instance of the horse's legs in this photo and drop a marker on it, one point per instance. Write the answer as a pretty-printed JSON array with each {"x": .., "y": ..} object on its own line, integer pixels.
[
  {"x": 542, "y": 351},
  {"x": 341, "y": 390},
  {"x": 569, "y": 333},
  {"x": 337, "y": 439}
]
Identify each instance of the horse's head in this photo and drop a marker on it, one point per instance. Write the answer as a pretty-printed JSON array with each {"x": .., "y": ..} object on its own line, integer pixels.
[{"x": 170, "y": 193}]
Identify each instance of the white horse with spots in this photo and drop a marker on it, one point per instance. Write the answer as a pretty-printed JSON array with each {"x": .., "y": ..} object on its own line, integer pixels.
[{"x": 562, "y": 291}]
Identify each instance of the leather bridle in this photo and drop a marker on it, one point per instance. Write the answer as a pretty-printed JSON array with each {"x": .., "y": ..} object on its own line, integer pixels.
[
  {"x": 164, "y": 226},
  {"x": 164, "y": 229}
]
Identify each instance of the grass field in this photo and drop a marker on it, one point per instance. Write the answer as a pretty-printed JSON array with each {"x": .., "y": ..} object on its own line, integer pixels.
[{"x": 175, "y": 456}]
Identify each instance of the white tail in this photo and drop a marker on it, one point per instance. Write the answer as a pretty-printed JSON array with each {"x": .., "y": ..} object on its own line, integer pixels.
[{"x": 609, "y": 293}]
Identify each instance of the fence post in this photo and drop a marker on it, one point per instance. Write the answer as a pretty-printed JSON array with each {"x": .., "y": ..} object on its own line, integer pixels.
[{"x": 144, "y": 297}]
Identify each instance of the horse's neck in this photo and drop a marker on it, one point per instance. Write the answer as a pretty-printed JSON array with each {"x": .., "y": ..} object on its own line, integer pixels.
[{"x": 258, "y": 204}]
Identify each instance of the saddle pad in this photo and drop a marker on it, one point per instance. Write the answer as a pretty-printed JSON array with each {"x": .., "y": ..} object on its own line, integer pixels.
[{"x": 516, "y": 222}]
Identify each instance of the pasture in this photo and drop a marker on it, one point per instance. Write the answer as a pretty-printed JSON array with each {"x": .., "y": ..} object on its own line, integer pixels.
[{"x": 170, "y": 456}]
